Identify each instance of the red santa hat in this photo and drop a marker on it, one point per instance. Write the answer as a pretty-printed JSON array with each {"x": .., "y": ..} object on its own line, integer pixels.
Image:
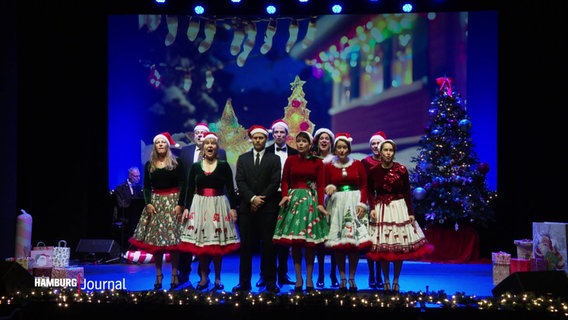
[
  {"x": 255, "y": 129},
  {"x": 201, "y": 126},
  {"x": 324, "y": 130},
  {"x": 209, "y": 135},
  {"x": 280, "y": 123},
  {"x": 381, "y": 136},
  {"x": 166, "y": 136},
  {"x": 343, "y": 136}
]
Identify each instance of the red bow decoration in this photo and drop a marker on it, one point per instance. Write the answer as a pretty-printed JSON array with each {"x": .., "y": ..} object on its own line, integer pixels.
[{"x": 445, "y": 84}]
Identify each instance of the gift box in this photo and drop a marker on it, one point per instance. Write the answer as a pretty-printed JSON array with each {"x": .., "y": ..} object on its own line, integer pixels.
[
  {"x": 524, "y": 248},
  {"x": 41, "y": 272},
  {"x": 26, "y": 263},
  {"x": 520, "y": 265},
  {"x": 71, "y": 272},
  {"x": 501, "y": 266},
  {"x": 550, "y": 243}
]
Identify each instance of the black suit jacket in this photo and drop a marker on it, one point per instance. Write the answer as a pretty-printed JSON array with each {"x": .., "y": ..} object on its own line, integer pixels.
[{"x": 261, "y": 181}]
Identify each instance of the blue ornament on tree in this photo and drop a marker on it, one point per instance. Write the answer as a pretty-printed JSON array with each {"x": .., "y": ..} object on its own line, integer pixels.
[
  {"x": 419, "y": 193},
  {"x": 465, "y": 125}
]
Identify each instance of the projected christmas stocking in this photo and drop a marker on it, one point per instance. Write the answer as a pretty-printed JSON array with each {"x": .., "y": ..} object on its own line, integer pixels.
[
  {"x": 293, "y": 29},
  {"x": 310, "y": 34},
  {"x": 210, "y": 29},
  {"x": 238, "y": 38},
  {"x": 172, "y": 30},
  {"x": 268, "y": 35},
  {"x": 249, "y": 44},
  {"x": 193, "y": 29}
]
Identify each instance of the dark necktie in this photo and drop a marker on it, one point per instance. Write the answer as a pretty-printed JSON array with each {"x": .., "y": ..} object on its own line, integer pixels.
[
  {"x": 257, "y": 160},
  {"x": 280, "y": 149}
]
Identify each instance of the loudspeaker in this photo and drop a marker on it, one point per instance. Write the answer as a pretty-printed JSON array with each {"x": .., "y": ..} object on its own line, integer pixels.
[
  {"x": 554, "y": 283},
  {"x": 13, "y": 277},
  {"x": 99, "y": 249}
]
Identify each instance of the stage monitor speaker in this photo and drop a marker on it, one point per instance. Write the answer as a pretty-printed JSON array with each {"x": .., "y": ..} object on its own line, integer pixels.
[
  {"x": 546, "y": 283},
  {"x": 104, "y": 250},
  {"x": 13, "y": 277}
]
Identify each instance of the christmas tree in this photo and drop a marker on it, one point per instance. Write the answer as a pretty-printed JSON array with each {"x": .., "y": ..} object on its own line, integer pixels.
[
  {"x": 296, "y": 114},
  {"x": 448, "y": 183}
]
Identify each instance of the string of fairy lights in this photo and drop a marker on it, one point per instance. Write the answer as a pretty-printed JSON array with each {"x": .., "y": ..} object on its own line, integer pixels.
[{"x": 70, "y": 297}]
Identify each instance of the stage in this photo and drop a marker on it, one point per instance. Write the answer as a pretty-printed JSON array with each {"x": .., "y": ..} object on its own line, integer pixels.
[{"x": 428, "y": 291}]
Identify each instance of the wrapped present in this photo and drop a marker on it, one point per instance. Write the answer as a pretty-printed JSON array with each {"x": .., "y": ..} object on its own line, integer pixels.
[
  {"x": 41, "y": 272},
  {"x": 524, "y": 248},
  {"x": 501, "y": 266},
  {"x": 501, "y": 258},
  {"x": 520, "y": 265},
  {"x": 71, "y": 272},
  {"x": 26, "y": 262},
  {"x": 538, "y": 264}
]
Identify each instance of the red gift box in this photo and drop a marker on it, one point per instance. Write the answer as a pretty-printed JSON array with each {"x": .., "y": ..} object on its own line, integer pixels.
[{"x": 520, "y": 265}]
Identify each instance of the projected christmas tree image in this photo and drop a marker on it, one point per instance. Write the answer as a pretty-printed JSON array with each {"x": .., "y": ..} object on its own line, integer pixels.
[
  {"x": 449, "y": 182},
  {"x": 296, "y": 114}
]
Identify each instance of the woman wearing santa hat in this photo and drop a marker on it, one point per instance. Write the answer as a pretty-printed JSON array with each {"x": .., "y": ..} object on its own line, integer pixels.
[
  {"x": 302, "y": 220},
  {"x": 158, "y": 230},
  {"x": 323, "y": 148},
  {"x": 209, "y": 229},
  {"x": 396, "y": 236},
  {"x": 346, "y": 189},
  {"x": 374, "y": 159}
]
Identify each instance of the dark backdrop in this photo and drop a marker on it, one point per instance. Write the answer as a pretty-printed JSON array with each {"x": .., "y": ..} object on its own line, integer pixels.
[{"x": 54, "y": 122}]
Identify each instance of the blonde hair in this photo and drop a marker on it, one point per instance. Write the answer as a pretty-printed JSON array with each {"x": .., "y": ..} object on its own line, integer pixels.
[{"x": 170, "y": 161}]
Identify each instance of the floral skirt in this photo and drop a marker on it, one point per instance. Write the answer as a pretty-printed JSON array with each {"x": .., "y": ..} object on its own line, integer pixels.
[
  {"x": 394, "y": 237},
  {"x": 300, "y": 223},
  {"x": 209, "y": 229},
  {"x": 346, "y": 231},
  {"x": 159, "y": 232}
]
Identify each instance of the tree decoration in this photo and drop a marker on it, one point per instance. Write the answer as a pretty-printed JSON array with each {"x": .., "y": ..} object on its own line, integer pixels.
[
  {"x": 296, "y": 114},
  {"x": 233, "y": 137},
  {"x": 447, "y": 167}
]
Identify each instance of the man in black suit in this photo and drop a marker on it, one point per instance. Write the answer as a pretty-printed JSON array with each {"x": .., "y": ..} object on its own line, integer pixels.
[
  {"x": 130, "y": 202},
  {"x": 258, "y": 179},
  {"x": 188, "y": 155},
  {"x": 280, "y": 132}
]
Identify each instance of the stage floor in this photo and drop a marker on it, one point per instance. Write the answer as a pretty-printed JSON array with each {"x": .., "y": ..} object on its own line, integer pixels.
[{"x": 469, "y": 279}]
